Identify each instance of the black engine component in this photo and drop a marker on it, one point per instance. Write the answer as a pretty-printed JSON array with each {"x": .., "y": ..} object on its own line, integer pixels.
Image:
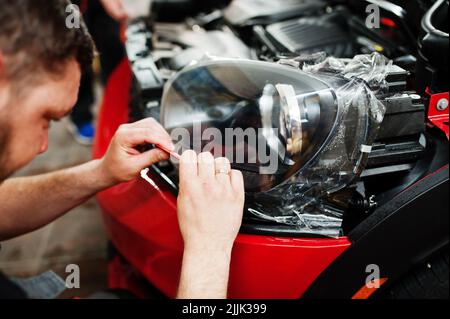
[
  {"x": 157, "y": 52},
  {"x": 398, "y": 144},
  {"x": 243, "y": 13},
  {"x": 330, "y": 34},
  {"x": 334, "y": 30},
  {"x": 177, "y": 10},
  {"x": 432, "y": 66}
]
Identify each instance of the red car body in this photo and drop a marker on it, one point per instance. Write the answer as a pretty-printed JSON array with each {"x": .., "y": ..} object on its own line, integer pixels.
[{"x": 141, "y": 220}]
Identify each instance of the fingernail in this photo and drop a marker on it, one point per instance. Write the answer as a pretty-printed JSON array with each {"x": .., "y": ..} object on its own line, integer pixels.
[
  {"x": 190, "y": 156},
  {"x": 175, "y": 155},
  {"x": 169, "y": 151}
]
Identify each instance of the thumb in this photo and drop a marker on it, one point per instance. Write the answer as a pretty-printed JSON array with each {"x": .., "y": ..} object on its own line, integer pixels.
[{"x": 151, "y": 157}]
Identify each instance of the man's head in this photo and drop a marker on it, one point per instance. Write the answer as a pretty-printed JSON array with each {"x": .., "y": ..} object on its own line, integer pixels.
[{"x": 41, "y": 61}]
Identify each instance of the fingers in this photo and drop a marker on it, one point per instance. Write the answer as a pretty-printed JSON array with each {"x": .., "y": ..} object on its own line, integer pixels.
[
  {"x": 188, "y": 167},
  {"x": 147, "y": 131},
  {"x": 237, "y": 183},
  {"x": 223, "y": 169},
  {"x": 206, "y": 166},
  {"x": 132, "y": 137},
  {"x": 151, "y": 157}
]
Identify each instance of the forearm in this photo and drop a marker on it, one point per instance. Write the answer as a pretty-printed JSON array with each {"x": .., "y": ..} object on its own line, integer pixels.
[
  {"x": 29, "y": 203},
  {"x": 204, "y": 273}
]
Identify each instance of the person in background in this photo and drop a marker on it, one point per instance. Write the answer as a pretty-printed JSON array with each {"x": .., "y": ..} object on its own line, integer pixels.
[{"x": 103, "y": 19}]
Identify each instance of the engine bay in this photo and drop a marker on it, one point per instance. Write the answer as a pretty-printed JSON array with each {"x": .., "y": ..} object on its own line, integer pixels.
[{"x": 295, "y": 34}]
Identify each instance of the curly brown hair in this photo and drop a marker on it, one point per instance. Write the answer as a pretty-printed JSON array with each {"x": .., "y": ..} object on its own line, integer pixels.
[{"x": 34, "y": 37}]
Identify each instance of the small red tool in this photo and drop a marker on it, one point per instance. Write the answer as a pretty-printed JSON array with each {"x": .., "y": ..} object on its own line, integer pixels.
[{"x": 171, "y": 153}]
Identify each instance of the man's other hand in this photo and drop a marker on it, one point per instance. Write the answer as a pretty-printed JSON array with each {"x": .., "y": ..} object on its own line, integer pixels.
[
  {"x": 123, "y": 162},
  {"x": 210, "y": 203},
  {"x": 210, "y": 208}
]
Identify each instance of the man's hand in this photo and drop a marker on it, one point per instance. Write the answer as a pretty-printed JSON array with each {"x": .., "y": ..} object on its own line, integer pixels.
[
  {"x": 123, "y": 162},
  {"x": 115, "y": 9},
  {"x": 210, "y": 204},
  {"x": 38, "y": 200},
  {"x": 210, "y": 208}
]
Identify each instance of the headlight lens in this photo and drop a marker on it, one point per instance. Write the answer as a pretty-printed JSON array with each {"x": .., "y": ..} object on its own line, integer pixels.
[{"x": 282, "y": 112}]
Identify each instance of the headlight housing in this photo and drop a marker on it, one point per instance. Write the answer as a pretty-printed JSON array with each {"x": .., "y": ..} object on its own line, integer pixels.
[
  {"x": 292, "y": 114},
  {"x": 301, "y": 135}
]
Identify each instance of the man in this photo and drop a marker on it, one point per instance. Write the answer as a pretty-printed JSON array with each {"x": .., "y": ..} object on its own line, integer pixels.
[{"x": 41, "y": 62}]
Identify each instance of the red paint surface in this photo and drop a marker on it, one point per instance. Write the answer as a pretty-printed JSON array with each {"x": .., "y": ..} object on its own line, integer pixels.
[
  {"x": 142, "y": 223},
  {"x": 437, "y": 117}
]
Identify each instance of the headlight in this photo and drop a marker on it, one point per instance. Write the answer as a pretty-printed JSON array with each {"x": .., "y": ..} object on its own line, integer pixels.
[{"x": 278, "y": 117}]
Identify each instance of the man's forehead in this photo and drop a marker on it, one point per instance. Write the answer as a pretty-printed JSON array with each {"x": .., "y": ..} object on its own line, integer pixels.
[{"x": 55, "y": 96}]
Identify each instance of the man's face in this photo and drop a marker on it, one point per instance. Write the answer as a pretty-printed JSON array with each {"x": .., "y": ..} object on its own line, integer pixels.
[{"x": 25, "y": 120}]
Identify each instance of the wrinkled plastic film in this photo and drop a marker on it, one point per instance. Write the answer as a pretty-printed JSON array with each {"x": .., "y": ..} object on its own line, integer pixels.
[{"x": 302, "y": 200}]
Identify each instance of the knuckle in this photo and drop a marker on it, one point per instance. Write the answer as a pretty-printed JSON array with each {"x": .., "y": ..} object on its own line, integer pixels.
[
  {"x": 183, "y": 192},
  {"x": 121, "y": 131},
  {"x": 146, "y": 131},
  {"x": 151, "y": 121},
  {"x": 211, "y": 187},
  {"x": 188, "y": 183}
]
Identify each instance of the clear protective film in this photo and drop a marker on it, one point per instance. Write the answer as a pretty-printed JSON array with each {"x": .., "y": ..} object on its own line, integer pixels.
[
  {"x": 303, "y": 200},
  {"x": 306, "y": 129}
]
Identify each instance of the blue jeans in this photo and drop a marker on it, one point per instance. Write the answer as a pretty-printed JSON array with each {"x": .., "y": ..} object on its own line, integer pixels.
[{"x": 46, "y": 286}]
